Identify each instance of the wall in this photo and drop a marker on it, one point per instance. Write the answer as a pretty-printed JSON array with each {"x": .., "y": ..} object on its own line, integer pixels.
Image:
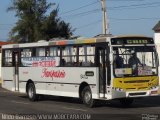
[
  {"x": 157, "y": 42},
  {"x": 157, "y": 38}
]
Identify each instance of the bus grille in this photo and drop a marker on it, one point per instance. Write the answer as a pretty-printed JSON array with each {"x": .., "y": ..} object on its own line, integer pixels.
[
  {"x": 136, "y": 94},
  {"x": 139, "y": 88},
  {"x": 130, "y": 88},
  {"x": 136, "y": 81}
]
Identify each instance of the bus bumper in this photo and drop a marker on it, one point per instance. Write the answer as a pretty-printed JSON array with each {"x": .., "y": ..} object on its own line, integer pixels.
[
  {"x": 142, "y": 93},
  {"x": 127, "y": 94}
]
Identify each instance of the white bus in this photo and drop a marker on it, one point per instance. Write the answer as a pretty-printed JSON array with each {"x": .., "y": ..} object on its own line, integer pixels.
[{"x": 83, "y": 68}]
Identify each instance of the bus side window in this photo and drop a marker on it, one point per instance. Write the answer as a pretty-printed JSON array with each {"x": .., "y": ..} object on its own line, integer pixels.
[
  {"x": 86, "y": 55},
  {"x": 7, "y": 58},
  {"x": 69, "y": 55},
  {"x": 91, "y": 55},
  {"x": 40, "y": 52},
  {"x": 53, "y": 51},
  {"x": 26, "y": 53}
]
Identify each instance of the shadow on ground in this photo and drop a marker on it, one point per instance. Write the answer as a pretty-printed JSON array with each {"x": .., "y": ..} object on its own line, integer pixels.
[{"x": 138, "y": 102}]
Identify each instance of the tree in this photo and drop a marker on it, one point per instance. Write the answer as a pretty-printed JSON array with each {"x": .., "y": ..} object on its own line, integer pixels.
[
  {"x": 60, "y": 29},
  {"x": 33, "y": 24}
]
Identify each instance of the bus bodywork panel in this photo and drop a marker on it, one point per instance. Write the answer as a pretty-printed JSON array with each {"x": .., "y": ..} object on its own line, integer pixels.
[
  {"x": 8, "y": 78},
  {"x": 135, "y": 86},
  {"x": 135, "y": 83},
  {"x": 58, "y": 81}
]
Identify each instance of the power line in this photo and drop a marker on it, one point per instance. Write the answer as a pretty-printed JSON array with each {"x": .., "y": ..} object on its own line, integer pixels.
[
  {"x": 93, "y": 23},
  {"x": 128, "y": 19},
  {"x": 134, "y": 5},
  {"x": 83, "y": 13},
  {"x": 149, "y": 6},
  {"x": 2, "y": 24},
  {"x": 5, "y": 29},
  {"x": 126, "y": 0},
  {"x": 119, "y": 19},
  {"x": 73, "y": 10}
]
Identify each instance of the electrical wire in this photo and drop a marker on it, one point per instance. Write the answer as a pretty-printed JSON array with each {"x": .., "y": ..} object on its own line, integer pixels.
[
  {"x": 73, "y": 10},
  {"x": 128, "y": 19},
  {"x": 82, "y": 13},
  {"x": 128, "y": 0},
  {"x": 87, "y": 25},
  {"x": 134, "y": 5}
]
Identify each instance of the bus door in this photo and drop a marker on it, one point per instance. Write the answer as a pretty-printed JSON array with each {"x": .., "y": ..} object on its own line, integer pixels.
[
  {"x": 102, "y": 58},
  {"x": 16, "y": 70}
]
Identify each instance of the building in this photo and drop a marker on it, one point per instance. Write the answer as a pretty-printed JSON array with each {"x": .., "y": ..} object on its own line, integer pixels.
[{"x": 156, "y": 29}]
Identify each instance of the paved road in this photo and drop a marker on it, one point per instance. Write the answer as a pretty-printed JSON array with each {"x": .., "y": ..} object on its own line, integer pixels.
[{"x": 12, "y": 103}]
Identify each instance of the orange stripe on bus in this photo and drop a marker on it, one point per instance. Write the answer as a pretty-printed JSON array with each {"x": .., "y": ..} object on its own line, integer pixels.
[{"x": 61, "y": 42}]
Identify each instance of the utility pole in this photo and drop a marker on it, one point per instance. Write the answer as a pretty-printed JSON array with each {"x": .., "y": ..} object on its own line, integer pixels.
[{"x": 105, "y": 19}]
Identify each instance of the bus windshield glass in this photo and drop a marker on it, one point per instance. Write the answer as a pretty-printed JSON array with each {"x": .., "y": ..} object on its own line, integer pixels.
[{"x": 135, "y": 61}]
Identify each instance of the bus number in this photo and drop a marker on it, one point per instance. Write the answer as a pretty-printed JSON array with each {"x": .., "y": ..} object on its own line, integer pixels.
[{"x": 137, "y": 41}]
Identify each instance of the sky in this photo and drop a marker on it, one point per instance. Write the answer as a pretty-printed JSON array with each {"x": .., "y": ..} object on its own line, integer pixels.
[{"x": 136, "y": 17}]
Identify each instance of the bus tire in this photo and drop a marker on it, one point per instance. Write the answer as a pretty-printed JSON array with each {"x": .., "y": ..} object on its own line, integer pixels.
[
  {"x": 87, "y": 97},
  {"x": 31, "y": 92},
  {"x": 126, "y": 102}
]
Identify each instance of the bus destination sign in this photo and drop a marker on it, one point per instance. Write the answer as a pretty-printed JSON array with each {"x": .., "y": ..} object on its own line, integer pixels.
[
  {"x": 120, "y": 41},
  {"x": 137, "y": 41}
]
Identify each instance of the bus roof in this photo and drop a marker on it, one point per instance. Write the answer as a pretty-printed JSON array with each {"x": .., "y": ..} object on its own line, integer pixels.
[
  {"x": 57, "y": 42},
  {"x": 69, "y": 42},
  {"x": 129, "y": 36}
]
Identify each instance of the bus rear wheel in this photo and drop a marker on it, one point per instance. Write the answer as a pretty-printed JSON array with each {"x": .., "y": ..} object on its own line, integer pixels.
[
  {"x": 87, "y": 97},
  {"x": 31, "y": 92}
]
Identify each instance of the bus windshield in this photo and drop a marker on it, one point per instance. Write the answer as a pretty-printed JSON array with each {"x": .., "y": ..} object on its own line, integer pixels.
[{"x": 135, "y": 61}]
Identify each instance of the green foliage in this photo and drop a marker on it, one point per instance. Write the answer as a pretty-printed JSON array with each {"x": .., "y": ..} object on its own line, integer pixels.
[{"x": 33, "y": 24}]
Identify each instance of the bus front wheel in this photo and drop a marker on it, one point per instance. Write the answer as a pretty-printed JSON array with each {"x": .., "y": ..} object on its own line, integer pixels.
[
  {"x": 87, "y": 97},
  {"x": 31, "y": 92}
]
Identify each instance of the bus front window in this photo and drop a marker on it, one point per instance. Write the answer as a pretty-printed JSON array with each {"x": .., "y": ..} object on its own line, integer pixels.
[{"x": 135, "y": 61}]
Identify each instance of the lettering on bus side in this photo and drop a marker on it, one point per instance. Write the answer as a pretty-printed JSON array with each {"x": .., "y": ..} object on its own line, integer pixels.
[
  {"x": 40, "y": 62},
  {"x": 44, "y": 64},
  {"x": 83, "y": 76},
  {"x": 53, "y": 73},
  {"x": 87, "y": 74}
]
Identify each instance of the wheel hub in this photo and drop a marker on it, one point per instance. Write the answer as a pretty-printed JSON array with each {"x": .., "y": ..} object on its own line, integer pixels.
[
  {"x": 30, "y": 92},
  {"x": 87, "y": 97}
]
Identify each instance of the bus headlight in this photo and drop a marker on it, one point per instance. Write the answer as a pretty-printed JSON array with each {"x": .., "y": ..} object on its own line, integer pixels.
[
  {"x": 153, "y": 87},
  {"x": 119, "y": 89}
]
